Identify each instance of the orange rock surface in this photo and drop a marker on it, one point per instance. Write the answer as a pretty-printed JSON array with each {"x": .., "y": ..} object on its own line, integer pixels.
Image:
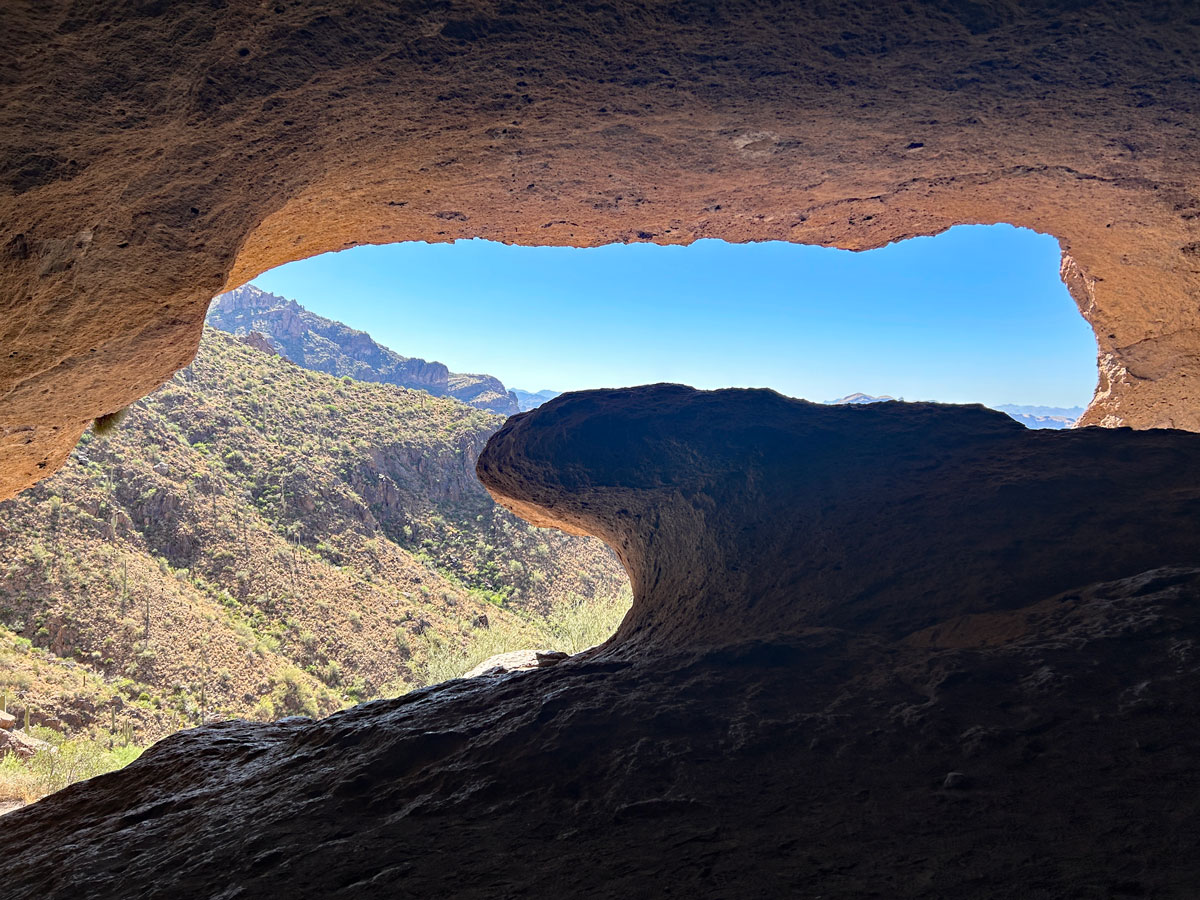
[{"x": 153, "y": 154}]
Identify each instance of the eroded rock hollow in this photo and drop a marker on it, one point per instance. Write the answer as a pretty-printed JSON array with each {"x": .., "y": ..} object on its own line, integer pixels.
[
  {"x": 153, "y": 154},
  {"x": 899, "y": 650}
]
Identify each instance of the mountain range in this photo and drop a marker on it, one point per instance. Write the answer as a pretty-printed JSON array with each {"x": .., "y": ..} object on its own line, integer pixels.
[
  {"x": 324, "y": 345},
  {"x": 1029, "y": 416}
]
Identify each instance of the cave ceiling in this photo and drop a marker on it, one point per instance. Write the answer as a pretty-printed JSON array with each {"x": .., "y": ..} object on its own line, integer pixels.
[{"x": 153, "y": 154}]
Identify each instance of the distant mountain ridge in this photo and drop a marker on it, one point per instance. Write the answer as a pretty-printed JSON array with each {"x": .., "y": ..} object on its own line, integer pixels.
[
  {"x": 859, "y": 398},
  {"x": 323, "y": 345},
  {"x": 1043, "y": 416},
  {"x": 533, "y": 399},
  {"x": 1029, "y": 416}
]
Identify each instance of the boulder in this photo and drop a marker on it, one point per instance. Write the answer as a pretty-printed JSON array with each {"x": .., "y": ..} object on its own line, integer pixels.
[
  {"x": 21, "y": 744},
  {"x": 517, "y": 661}
]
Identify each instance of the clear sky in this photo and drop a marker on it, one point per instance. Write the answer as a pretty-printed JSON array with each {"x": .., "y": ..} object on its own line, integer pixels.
[{"x": 977, "y": 314}]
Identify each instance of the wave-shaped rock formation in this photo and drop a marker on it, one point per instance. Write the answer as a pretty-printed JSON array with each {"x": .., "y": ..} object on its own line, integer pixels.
[
  {"x": 900, "y": 650},
  {"x": 154, "y": 154},
  {"x": 325, "y": 345}
]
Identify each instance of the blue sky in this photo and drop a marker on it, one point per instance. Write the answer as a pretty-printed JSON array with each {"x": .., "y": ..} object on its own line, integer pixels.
[{"x": 977, "y": 314}]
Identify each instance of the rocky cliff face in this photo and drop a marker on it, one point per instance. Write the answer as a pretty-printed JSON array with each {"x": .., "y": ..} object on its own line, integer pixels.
[
  {"x": 901, "y": 650},
  {"x": 327, "y": 346},
  {"x": 299, "y": 128}
]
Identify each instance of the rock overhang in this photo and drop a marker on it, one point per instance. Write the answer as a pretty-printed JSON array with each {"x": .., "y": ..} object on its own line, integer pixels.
[
  {"x": 153, "y": 157},
  {"x": 745, "y": 514}
]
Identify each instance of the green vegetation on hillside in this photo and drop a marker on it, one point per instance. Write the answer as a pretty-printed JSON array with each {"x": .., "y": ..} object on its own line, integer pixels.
[{"x": 256, "y": 539}]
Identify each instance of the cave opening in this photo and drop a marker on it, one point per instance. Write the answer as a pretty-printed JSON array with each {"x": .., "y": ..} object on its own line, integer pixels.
[
  {"x": 293, "y": 523},
  {"x": 976, "y": 314}
]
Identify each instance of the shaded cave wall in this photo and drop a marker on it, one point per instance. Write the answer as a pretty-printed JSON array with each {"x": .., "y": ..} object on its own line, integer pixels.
[{"x": 154, "y": 154}]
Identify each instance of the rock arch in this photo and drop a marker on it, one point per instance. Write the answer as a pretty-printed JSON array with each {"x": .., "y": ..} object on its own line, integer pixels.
[{"x": 154, "y": 153}]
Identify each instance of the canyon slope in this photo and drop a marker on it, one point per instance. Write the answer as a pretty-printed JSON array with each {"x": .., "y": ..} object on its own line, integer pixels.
[
  {"x": 991, "y": 691},
  {"x": 257, "y": 540},
  {"x": 324, "y": 345}
]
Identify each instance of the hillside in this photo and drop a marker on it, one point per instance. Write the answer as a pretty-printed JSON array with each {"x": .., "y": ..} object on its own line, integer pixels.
[
  {"x": 324, "y": 345},
  {"x": 256, "y": 539}
]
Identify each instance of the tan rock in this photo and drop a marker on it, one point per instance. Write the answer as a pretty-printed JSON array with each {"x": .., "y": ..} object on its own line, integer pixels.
[
  {"x": 517, "y": 661},
  {"x": 7, "y": 721},
  {"x": 301, "y": 128},
  {"x": 21, "y": 744}
]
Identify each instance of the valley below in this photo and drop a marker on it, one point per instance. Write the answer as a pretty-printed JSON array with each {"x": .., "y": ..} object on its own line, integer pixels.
[{"x": 257, "y": 540}]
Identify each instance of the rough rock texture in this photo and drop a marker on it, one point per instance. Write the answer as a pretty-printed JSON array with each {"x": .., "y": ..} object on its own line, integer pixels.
[
  {"x": 153, "y": 154},
  {"x": 902, "y": 593},
  {"x": 517, "y": 661},
  {"x": 19, "y": 743},
  {"x": 883, "y": 517}
]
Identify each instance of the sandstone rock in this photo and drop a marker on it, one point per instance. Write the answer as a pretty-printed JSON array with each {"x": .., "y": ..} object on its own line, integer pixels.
[
  {"x": 20, "y": 744},
  {"x": 517, "y": 661},
  {"x": 7, "y": 721},
  {"x": 832, "y": 606},
  {"x": 715, "y": 500},
  {"x": 324, "y": 127}
]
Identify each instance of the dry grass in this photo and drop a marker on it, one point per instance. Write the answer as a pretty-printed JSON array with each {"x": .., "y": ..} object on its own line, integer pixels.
[
  {"x": 64, "y": 762},
  {"x": 571, "y": 627}
]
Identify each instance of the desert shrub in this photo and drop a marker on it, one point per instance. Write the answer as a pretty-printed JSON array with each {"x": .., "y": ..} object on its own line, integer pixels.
[
  {"x": 402, "y": 643},
  {"x": 579, "y": 624},
  {"x": 64, "y": 762},
  {"x": 235, "y": 461},
  {"x": 291, "y": 695},
  {"x": 571, "y": 627},
  {"x": 107, "y": 423}
]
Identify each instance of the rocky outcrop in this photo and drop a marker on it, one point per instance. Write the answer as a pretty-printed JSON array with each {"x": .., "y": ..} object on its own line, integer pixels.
[
  {"x": 155, "y": 154},
  {"x": 715, "y": 500},
  {"x": 517, "y": 661},
  {"x": 19, "y": 744},
  {"x": 260, "y": 342},
  {"x": 325, "y": 345},
  {"x": 901, "y": 650}
]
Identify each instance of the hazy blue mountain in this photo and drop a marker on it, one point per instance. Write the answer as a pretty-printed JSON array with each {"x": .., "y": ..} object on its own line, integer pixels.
[
  {"x": 1043, "y": 416},
  {"x": 1029, "y": 416},
  {"x": 858, "y": 398},
  {"x": 533, "y": 399}
]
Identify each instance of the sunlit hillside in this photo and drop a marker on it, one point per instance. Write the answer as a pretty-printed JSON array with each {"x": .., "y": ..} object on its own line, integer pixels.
[{"x": 255, "y": 539}]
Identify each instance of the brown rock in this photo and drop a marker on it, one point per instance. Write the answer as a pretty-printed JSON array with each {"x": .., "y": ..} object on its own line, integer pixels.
[
  {"x": 834, "y": 606},
  {"x": 260, "y": 342},
  {"x": 298, "y": 128},
  {"x": 517, "y": 661},
  {"x": 20, "y": 744},
  {"x": 715, "y": 500},
  {"x": 7, "y": 721}
]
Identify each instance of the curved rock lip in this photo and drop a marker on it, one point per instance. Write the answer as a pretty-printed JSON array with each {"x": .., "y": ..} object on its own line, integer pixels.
[
  {"x": 871, "y": 647},
  {"x": 746, "y": 514}
]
